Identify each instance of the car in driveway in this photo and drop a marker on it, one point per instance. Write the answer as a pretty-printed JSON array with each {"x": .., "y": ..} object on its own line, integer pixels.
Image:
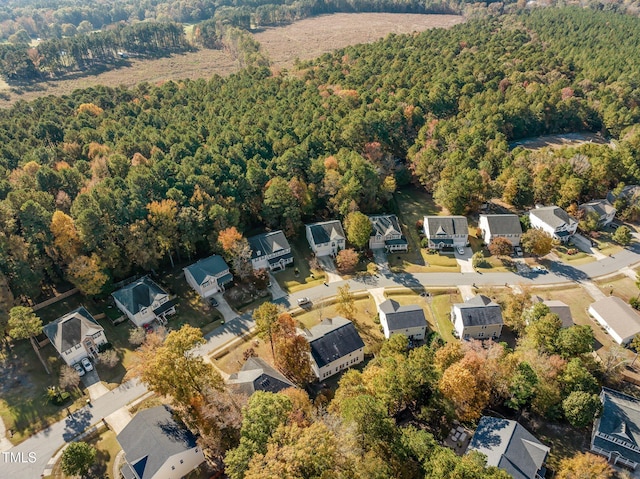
[
  {"x": 303, "y": 301},
  {"x": 86, "y": 364},
  {"x": 213, "y": 301},
  {"x": 460, "y": 250},
  {"x": 79, "y": 369}
]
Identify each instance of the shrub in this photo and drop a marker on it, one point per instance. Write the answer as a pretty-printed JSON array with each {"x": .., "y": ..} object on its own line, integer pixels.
[
  {"x": 419, "y": 225},
  {"x": 635, "y": 303},
  {"x": 424, "y": 243}
]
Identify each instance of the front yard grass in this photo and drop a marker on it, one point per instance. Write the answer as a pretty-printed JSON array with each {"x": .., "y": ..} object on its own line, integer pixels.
[
  {"x": 441, "y": 304},
  {"x": 234, "y": 359},
  {"x": 306, "y": 277},
  {"x": 575, "y": 259},
  {"x": 621, "y": 286}
]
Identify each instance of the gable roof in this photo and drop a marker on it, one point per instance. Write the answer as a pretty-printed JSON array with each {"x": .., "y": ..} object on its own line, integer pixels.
[
  {"x": 69, "y": 330},
  {"x": 446, "y": 225},
  {"x": 152, "y": 437},
  {"x": 599, "y": 207},
  {"x": 479, "y": 311},
  {"x": 385, "y": 225},
  {"x": 620, "y": 317},
  {"x": 401, "y": 317},
  {"x": 509, "y": 446},
  {"x": 553, "y": 216},
  {"x": 207, "y": 267},
  {"x": 139, "y": 294},
  {"x": 630, "y": 192},
  {"x": 557, "y": 307},
  {"x": 257, "y": 375},
  {"x": 620, "y": 423},
  {"x": 333, "y": 339},
  {"x": 267, "y": 243},
  {"x": 503, "y": 224},
  {"x": 326, "y": 232}
]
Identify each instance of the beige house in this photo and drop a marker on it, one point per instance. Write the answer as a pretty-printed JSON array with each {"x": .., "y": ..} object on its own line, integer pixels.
[
  {"x": 500, "y": 226},
  {"x": 144, "y": 301},
  {"x": 208, "y": 276},
  {"x": 386, "y": 233},
  {"x": 270, "y": 251},
  {"x": 477, "y": 318},
  {"x": 446, "y": 231},
  {"x": 555, "y": 221},
  {"x": 620, "y": 320},
  {"x": 326, "y": 238},
  {"x": 408, "y": 320}
]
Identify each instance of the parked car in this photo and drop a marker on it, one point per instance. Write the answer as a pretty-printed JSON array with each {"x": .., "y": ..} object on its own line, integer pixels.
[
  {"x": 540, "y": 269},
  {"x": 303, "y": 301},
  {"x": 79, "y": 369},
  {"x": 518, "y": 251},
  {"x": 86, "y": 364},
  {"x": 213, "y": 301},
  {"x": 460, "y": 250}
]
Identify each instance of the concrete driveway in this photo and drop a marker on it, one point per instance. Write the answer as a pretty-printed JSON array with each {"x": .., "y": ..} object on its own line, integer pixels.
[
  {"x": 276, "y": 291},
  {"x": 464, "y": 260},
  {"x": 329, "y": 268},
  {"x": 223, "y": 307},
  {"x": 94, "y": 386},
  {"x": 584, "y": 244},
  {"x": 381, "y": 261}
]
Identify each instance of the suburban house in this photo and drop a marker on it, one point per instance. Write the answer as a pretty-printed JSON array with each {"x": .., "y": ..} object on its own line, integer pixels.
[
  {"x": 630, "y": 194},
  {"x": 386, "y": 233},
  {"x": 326, "y": 238},
  {"x": 557, "y": 307},
  {"x": 75, "y": 335},
  {"x": 143, "y": 301},
  {"x": 208, "y": 276},
  {"x": 477, "y": 318},
  {"x": 509, "y": 446},
  {"x": 155, "y": 446},
  {"x": 270, "y": 250},
  {"x": 257, "y": 375},
  {"x": 555, "y": 221},
  {"x": 408, "y": 320},
  {"x": 335, "y": 345},
  {"x": 620, "y": 320},
  {"x": 604, "y": 211},
  {"x": 616, "y": 433},
  {"x": 446, "y": 231},
  {"x": 500, "y": 226}
]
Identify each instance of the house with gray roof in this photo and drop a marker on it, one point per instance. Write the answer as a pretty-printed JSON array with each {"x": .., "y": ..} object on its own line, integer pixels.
[
  {"x": 75, "y": 335},
  {"x": 630, "y": 195},
  {"x": 208, "y": 276},
  {"x": 326, "y": 238},
  {"x": 556, "y": 307},
  {"x": 270, "y": 251},
  {"x": 500, "y": 226},
  {"x": 257, "y": 375},
  {"x": 335, "y": 345},
  {"x": 156, "y": 446},
  {"x": 408, "y": 320},
  {"x": 144, "y": 301},
  {"x": 510, "y": 447},
  {"x": 621, "y": 321},
  {"x": 616, "y": 433},
  {"x": 555, "y": 221},
  {"x": 602, "y": 209},
  {"x": 446, "y": 231},
  {"x": 477, "y": 318},
  {"x": 386, "y": 233}
]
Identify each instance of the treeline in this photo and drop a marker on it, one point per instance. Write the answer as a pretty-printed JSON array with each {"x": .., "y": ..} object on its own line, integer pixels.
[
  {"x": 84, "y": 51},
  {"x": 115, "y": 180}
]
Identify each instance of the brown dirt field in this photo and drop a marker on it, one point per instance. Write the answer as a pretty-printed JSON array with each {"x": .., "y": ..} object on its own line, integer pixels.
[{"x": 305, "y": 39}]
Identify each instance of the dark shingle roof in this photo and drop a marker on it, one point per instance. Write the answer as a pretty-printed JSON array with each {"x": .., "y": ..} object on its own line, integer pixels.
[
  {"x": 326, "y": 232},
  {"x": 554, "y": 216},
  {"x": 332, "y": 339},
  {"x": 267, "y": 243},
  {"x": 446, "y": 225},
  {"x": 509, "y": 446},
  {"x": 503, "y": 224},
  {"x": 479, "y": 311},
  {"x": 69, "y": 330},
  {"x": 620, "y": 420},
  {"x": 257, "y": 375},
  {"x": 152, "y": 437},
  {"x": 383, "y": 225},
  {"x": 556, "y": 307},
  {"x": 139, "y": 294},
  {"x": 599, "y": 207},
  {"x": 401, "y": 317},
  {"x": 211, "y": 266}
]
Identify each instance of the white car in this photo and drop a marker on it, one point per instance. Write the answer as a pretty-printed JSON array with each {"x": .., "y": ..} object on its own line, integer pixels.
[
  {"x": 303, "y": 301},
  {"x": 79, "y": 369},
  {"x": 460, "y": 250},
  {"x": 87, "y": 364}
]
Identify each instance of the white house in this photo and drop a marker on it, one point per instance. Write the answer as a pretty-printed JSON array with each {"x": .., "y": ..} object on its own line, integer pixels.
[
  {"x": 270, "y": 250},
  {"x": 620, "y": 320},
  {"x": 143, "y": 301},
  {"x": 408, "y": 320},
  {"x": 500, "y": 226},
  {"x": 477, "y": 318},
  {"x": 208, "y": 276},
  {"x": 326, "y": 238},
  {"x": 335, "y": 345},
  {"x": 75, "y": 335},
  {"x": 156, "y": 446},
  {"x": 555, "y": 221},
  {"x": 386, "y": 233},
  {"x": 446, "y": 231},
  {"x": 601, "y": 208}
]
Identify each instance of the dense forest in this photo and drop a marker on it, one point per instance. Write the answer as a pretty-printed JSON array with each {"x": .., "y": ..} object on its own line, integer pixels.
[{"x": 113, "y": 181}]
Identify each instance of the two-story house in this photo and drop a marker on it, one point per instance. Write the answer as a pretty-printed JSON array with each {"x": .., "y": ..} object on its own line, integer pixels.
[
  {"x": 257, "y": 375},
  {"x": 386, "y": 233},
  {"x": 326, "y": 238},
  {"x": 477, "y": 318},
  {"x": 555, "y": 221},
  {"x": 144, "y": 301},
  {"x": 446, "y": 231},
  {"x": 602, "y": 209},
  {"x": 408, "y": 320},
  {"x": 500, "y": 226},
  {"x": 270, "y": 251},
  {"x": 75, "y": 335},
  {"x": 208, "y": 276},
  {"x": 335, "y": 345}
]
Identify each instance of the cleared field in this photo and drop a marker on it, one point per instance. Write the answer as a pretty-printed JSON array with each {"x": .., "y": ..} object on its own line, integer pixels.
[
  {"x": 306, "y": 39},
  {"x": 621, "y": 286}
]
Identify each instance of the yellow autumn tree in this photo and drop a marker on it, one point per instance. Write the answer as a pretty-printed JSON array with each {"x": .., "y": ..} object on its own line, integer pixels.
[
  {"x": 584, "y": 466},
  {"x": 468, "y": 395},
  {"x": 65, "y": 236},
  {"x": 87, "y": 275}
]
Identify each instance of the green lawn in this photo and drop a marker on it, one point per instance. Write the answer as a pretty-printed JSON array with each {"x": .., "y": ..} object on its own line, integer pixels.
[
  {"x": 305, "y": 277},
  {"x": 575, "y": 259},
  {"x": 441, "y": 304},
  {"x": 621, "y": 286},
  {"x": 605, "y": 244}
]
